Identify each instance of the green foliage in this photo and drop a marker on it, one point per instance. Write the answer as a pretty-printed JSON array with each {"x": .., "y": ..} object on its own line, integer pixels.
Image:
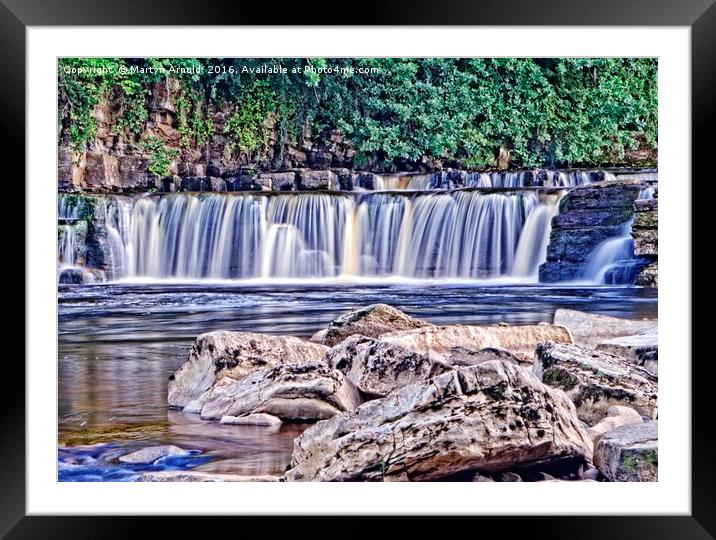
[
  {"x": 547, "y": 111},
  {"x": 160, "y": 157},
  {"x": 246, "y": 126}
]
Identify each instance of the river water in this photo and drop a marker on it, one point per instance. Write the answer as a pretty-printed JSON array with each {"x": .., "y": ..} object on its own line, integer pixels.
[{"x": 118, "y": 343}]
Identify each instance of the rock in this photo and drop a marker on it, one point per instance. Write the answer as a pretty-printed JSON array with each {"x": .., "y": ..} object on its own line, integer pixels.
[
  {"x": 588, "y": 215},
  {"x": 617, "y": 416},
  {"x": 318, "y": 336},
  {"x": 197, "y": 476},
  {"x": 479, "y": 478},
  {"x": 596, "y": 380},
  {"x": 317, "y": 180},
  {"x": 640, "y": 349},
  {"x": 590, "y": 329},
  {"x": 541, "y": 477},
  {"x": 147, "y": 456},
  {"x": 591, "y": 473},
  {"x": 370, "y": 321},
  {"x": 260, "y": 419},
  {"x": 305, "y": 392},
  {"x": 649, "y": 276},
  {"x": 477, "y": 419},
  {"x": 234, "y": 354},
  {"x": 457, "y": 343},
  {"x": 376, "y": 368},
  {"x": 646, "y": 242},
  {"x": 72, "y": 276},
  {"x": 279, "y": 181},
  {"x": 510, "y": 477},
  {"x": 629, "y": 453}
]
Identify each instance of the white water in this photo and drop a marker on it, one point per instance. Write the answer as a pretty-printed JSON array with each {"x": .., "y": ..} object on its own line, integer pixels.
[
  {"x": 447, "y": 235},
  {"x": 67, "y": 246},
  {"x": 607, "y": 255}
]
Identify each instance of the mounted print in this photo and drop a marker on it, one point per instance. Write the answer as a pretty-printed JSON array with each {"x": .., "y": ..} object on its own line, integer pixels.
[{"x": 357, "y": 269}]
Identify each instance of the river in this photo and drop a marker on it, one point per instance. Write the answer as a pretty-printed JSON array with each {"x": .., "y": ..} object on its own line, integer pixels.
[{"x": 118, "y": 343}]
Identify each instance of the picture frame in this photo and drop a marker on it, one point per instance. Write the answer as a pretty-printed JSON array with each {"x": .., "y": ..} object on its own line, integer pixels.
[{"x": 700, "y": 16}]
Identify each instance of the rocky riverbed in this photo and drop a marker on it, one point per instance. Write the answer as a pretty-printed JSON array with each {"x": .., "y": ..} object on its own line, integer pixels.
[{"x": 383, "y": 396}]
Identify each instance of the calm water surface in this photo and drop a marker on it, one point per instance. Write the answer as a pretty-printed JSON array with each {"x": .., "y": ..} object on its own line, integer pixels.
[{"x": 119, "y": 343}]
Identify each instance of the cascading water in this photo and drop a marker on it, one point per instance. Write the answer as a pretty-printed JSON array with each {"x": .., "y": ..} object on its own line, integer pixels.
[
  {"x": 454, "y": 234},
  {"x": 612, "y": 262},
  {"x": 647, "y": 192},
  {"x": 67, "y": 246},
  {"x": 532, "y": 247}
]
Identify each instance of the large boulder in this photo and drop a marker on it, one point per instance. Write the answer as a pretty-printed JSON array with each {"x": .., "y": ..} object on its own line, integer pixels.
[
  {"x": 370, "y": 321},
  {"x": 305, "y": 392},
  {"x": 596, "y": 380},
  {"x": 640, "y": 349},
  {"x": 234, "y": 354},
  {"x": 478, "y": 419},
  {"x": 590, "y": 329},
  {"x": 457, "y": 343},
  {"x": 376, "y": 368},
  {"x": 629, "y": 453}
]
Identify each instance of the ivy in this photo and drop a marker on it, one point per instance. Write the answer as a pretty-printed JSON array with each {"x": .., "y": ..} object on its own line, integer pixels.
[
  {"x": 547, "y": 111},
  {"x": 160, "y": 156}
]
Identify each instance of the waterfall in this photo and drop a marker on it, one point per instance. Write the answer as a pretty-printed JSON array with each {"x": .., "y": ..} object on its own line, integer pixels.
[
  {"x": 612, "y": 261},
  {"x": 532, "y": 247},
  {"x": 440, "y": 234},
  {"x": 647, "y": 192},
  {"x": 67, "y": 246}
]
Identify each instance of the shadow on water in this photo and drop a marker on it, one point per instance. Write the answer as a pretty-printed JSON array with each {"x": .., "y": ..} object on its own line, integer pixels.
[{"x": 119, "y": 343}]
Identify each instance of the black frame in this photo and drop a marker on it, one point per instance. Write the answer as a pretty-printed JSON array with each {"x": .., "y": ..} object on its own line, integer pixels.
[{"x": 700, "y": 15}]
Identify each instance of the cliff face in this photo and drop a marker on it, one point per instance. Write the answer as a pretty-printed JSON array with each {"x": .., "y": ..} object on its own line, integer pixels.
[
  {"x": 115, "y": 162},
  {"x": 645, "y": 232}
]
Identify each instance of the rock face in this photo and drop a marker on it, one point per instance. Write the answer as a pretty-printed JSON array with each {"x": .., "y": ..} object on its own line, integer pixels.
[
  {"x": 588, "y": 216},
  {"x": 147, "y": 456},
  {"x": 370, "y": 321},
  {"x": 595, "y": 380},
  {"x": 72, "y": 276},
  {"x": 617, "y": 416},
  {"x": 629, "y": 453},
  {"x": 459, "y": 344},
  {"x": 305, "y": 392},
  {"x": 640, "y": 349},
  {"x": 377, "y": 368},
  {"x": 645, "y": 231},
  {"x": 477, "y": 419},
  {"x": 234, "y": 354},
  {"x": 590, "y": 329}
]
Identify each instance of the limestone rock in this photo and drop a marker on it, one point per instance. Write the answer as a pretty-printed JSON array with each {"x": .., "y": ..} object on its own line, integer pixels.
[
  {"x": 478, "y": 419},
  {"x": 376, "y": 368},
  {"x": 317, "y": 180},
  {"x": 617, "y": 416},
  {"x": 261, "y": 419},
  {"x": 147, "y": 456},
  {"x": 457, "y": 343},
  {"x": 197, "y": 476},
  {"x": 370, "y": 321},
  {"x": 590, "y": 329},
  {"x": 596, "y": 380},
  {"x": 305, "y": 392},
  {"x": 640, "y": 349},
  {"x": 629, "y": 453},
  {"x": 234, "y": 354}
]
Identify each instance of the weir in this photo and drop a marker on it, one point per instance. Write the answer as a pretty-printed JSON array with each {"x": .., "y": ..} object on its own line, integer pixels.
[{"x": 461, "y": 234}]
